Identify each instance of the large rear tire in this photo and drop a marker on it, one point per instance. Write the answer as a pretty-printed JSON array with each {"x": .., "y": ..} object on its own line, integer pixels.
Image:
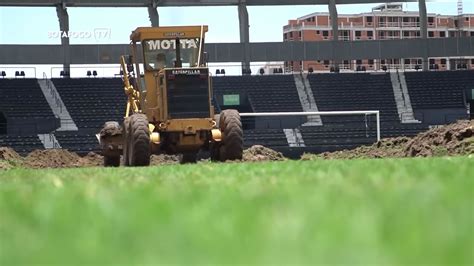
[
  {"x": 139, "y": 150},
  {"x": 232, "y": 144}
]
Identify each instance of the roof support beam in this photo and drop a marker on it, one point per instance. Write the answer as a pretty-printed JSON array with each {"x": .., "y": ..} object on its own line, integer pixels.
[
  {"x": 145, "y": 3},
  {"x": 63, "y": 19},
  {"x": 244, "y": 33},
  {"x": 335, "y": 28},
  {"x": 424, "y": 31},
  {"x": 259, "y": 52},
  {"x": 153, "y": 15}
]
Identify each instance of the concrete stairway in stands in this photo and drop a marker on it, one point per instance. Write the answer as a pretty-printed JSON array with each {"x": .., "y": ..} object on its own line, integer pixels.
[
  {"x": 307, "y": 100},
  {"x": 49, "y": 141},
  {"x": 294, "y": 137},
  {"x": 402, "y": 98},
  {"x": 57, "y": 106}
]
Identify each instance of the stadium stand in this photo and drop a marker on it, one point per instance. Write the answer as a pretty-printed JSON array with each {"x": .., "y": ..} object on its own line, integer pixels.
[
  {"x": 351, "y": 92},
  {"x": 269, "y": 137},
  {"x": 81, "y": 142},
  {"x": 439, "y": 89},
  {"x": 24, "y": 107},
  {"x": 273, "y": 93},
  {"x": 438, "y": 97},
  {"x": 92, "y": 101},
  {"x": 21, "y": 144}
]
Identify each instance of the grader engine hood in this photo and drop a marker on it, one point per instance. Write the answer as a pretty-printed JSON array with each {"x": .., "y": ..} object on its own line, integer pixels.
[{"x": 188, "y": 94}]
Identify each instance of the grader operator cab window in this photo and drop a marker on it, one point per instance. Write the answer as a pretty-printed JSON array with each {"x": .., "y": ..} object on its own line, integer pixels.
[{"x": 162, "y": 53}]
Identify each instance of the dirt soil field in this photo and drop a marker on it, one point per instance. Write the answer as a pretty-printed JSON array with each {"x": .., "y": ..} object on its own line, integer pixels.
[
  {"x": 449, "y": 140},
  {"x": 260, "y": 153}
]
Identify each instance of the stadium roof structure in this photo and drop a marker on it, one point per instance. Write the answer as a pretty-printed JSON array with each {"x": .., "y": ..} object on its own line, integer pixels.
[
  {"x": 244, "y": 51},
  {"x": 146, "y": 3}
]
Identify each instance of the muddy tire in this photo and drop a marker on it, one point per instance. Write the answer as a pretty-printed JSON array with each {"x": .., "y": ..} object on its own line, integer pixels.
[
  {"x": 232, "y": 144},
  {"x": 189, "y": 157},
  {"x": 111, "y": 161},
  {"x": 139, "y": 141}
]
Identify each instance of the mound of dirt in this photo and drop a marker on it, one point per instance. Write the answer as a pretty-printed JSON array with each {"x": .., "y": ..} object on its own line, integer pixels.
[
  {"x": 9, "y": 154},
  {"x": 4, "y": 165},
  {"x": 258, "y": 153},
  {"x": 92, "y": 159},
  {"x": 453, "y": 139},
  {"x": 53, "y": 158},
  {"x": 164, "y": 159}
]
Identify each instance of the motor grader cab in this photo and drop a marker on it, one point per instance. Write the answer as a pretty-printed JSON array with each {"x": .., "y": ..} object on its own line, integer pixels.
[{"x": 169, "y": 107}]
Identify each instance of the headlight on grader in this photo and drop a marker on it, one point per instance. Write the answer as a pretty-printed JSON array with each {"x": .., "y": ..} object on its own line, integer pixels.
[
  {"x": 216, "y": 134},
  {"x": 155, "y": 137}
]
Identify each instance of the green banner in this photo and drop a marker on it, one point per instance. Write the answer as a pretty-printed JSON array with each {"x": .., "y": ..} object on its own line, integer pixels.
[{"x": 232, "y": 99}]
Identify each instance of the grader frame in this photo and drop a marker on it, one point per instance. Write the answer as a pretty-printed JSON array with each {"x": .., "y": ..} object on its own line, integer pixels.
[{"x": 169, "y": 108}]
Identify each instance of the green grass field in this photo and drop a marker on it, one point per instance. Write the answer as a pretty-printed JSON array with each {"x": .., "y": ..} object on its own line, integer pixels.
[{"x": 345, "y": 212}]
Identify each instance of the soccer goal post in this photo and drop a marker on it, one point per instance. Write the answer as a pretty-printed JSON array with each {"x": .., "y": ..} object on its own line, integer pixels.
[{"x": 328, "y": 113}]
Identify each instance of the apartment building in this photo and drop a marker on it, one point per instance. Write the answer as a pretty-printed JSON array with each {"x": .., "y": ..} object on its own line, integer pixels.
[{"x": 384, "y": 22}]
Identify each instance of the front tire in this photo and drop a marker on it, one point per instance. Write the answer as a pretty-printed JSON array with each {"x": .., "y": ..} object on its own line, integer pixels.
[
  {"x": 232, "y": 145},
  {"x": 139, "y": 142}
]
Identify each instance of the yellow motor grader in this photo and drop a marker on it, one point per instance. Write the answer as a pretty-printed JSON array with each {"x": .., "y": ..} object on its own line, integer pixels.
[{"x": 169, "y": 107}]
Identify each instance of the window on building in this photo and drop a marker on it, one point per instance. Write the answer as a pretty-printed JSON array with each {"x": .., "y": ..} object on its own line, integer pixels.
[
  {"x": 325, "y": 33},
  {"x": 406, "y": 61},
  {"x": 318, "y": 32},
  {"x": 291, "y": 34},
  {"x": 326, "y": 62},
  {"x": 368, "y": 19},
  {"x": 442, "y": 34},
  {"x": 418, "y": 61},
  {"x": 382, "y": 33},
  {"x": 467, "y": 18},
  {"x": 430, "y": 19},
  {"x": 371, "y": 61},
  {"x": 406, "y": 19},
  {"x": 382, "y": 61},
  {"x": 357, "y": 33},
  {"x": 382, "y": 19},
  {"x": 359, "y": 62},
  {"x": 432, "y": 62},
  {"x": 406, "y": 33},
  {"x": 452, "y": 34},
  {"x": 472, "y": 61},
  {"x": 284, "y": 36},
  {"x": 418, "y": 34},
  {"x": 346, "y": 62},
  {"x": 300, "y": 34},
  {"x": 443, "y": 61},
  {"x": 472, "y": 33},
  {"x": 370, "y": 33},
  {"x": 430, "y": 33}
]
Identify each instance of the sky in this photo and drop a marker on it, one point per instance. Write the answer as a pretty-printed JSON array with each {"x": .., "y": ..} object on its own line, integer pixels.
[{"x": 28, "y": 25}]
